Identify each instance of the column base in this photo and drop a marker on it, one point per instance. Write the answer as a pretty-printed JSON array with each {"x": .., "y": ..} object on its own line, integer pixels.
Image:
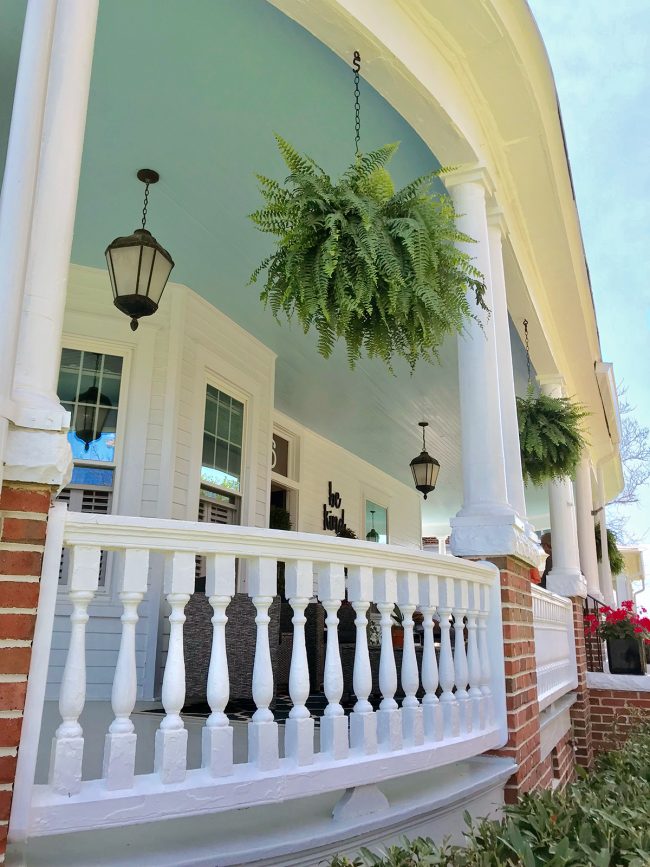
[
  {"x": 389, "y": 729},
  {"x": 41, "y": 457},
  {"x": 170, "y": 755},
  {"x": 567, "y": 582},
  {"x": 65, "y": 765},
  {"x": 263, "y": 745},
  {"x": 363, "y": 733},
  {"x": 299, "y": 740},
  {"x": 119, "y": 760},
  {"x": 334, "y": 736},
  {"x": 496, "y": 535},
  {"x": 216, "y": 743}
]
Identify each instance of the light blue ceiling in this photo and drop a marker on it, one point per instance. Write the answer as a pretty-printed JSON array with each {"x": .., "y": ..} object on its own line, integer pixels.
[{"x": 196, "y": 89}]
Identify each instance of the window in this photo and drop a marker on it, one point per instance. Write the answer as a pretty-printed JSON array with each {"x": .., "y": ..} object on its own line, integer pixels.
[
  {"x": 377, "y": 520},
  {"x": 89, "y": 388},
  {"x": 223, "y": 431},
  {"x": 220, "y": 496}
]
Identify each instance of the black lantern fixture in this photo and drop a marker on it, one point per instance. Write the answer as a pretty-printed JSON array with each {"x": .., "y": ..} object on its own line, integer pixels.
[
  {"x": 138, "y": 266},
  {"x": 425, "y": 469},
  {"x": 372, "y": 535}
]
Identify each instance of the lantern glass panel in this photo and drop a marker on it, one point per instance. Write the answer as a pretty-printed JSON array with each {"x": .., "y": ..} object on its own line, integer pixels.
[
  {"x": 162, "y": 268},
  {"x": 124, "y": 272}
]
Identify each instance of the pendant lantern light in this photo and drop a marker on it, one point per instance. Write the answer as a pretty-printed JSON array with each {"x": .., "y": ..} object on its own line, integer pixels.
[
  {"x": 138, "y": 266},
  {"x": 372, "y": 535},
  {"x": 425, "y": 469}
]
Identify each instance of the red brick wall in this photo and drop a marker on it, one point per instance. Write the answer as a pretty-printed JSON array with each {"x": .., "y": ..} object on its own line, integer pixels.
[
  {"x": 613, "y": 714},
  {"x": 580, "y": 710},
  {"x": 23, "y": 522},
  {"x": 521, "y": 680}
]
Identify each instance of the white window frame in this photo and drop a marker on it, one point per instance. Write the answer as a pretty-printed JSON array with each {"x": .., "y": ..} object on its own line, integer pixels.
[{"x": 379, "y": 499}]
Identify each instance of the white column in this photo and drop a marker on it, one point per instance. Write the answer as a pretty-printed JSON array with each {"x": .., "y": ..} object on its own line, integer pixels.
[
  {"x": 487, "y": 523},
  {"x": 604, "y": 571},
  {"x": 507, "y": 400},
  {"x": 565, "y": 577},
  {"x": 17, "y": 197},
  {"x": 39, "y": 342},
  {"x": 585, "y": 522}
]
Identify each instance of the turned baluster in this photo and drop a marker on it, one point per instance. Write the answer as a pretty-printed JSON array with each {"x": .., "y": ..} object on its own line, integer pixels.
[
  {"x": 473, "y": 660},
  {"x": 407, "y": 599},
  {"x": 389, "y": 727},
  {"x": 68, "y": 742},
  {"x": 120, "y": 744},
  {"x": 170, "y": 754},
  {"x": 217, "y": 734},
  {"x": 334, "y": 725},
  {"x": 299, "y": 729},
  {"x": 461, "y": 675},
  {"x": 484, "y": 654},
  {"x": 363, "y": 724},
  {"x": 262, "y": 729},
  {"x": 431, "y": 710},
  {"x": 448, "y": 700}
]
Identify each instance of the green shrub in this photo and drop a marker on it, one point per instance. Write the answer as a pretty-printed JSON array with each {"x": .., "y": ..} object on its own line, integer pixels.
[{"x": 602, "y": 820}]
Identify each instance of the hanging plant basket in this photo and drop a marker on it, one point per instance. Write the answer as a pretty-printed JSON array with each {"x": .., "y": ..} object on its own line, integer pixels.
[
  {"x": 356, "y": 260},
  {"x": 550, "y": 436},
  {"x": 616, "y": 562}
]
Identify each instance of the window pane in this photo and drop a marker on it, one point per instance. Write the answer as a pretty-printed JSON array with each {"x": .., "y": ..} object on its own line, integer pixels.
[
  {"x": 377, "y": 518},
  {"x": 113, "y": 364},
  {"x": 236, "y": 422},
  {"x": 109, "y": 393},
  {"x": 209, "y": 443},
  {"x": 92, "y": 362},
  {"x": 221, "y": 457},
  {"x": 234, "y": 461},
  {"x": 210, "y": 415},
  {"x": 67, "y": 389},
  {"x": 92, "y": 476},
  {"x": 70, "y": 359}
]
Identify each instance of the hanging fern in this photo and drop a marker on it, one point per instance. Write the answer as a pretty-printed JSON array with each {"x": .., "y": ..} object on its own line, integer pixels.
[
  {"x": 550, "y": 436},
  {"x": 357, "y": 260},
  {"x": 616, "y": 562}
]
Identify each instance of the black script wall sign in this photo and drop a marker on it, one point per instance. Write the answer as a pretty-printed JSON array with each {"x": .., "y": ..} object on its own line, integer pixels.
[{"x": 330, "y": 520}]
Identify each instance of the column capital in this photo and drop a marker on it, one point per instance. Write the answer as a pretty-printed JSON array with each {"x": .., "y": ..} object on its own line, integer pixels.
[
  {"x": 497, "y": 220},
  {"x": 469, "y": 174}
]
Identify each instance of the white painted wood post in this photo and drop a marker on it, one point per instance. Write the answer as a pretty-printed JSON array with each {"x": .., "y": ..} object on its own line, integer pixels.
[
  {"x": 333, "y": 725},
  {"x": 473, "y": 660},
  {"x": 170, "y": 757},
  {"x": 412, "y": 721},
  {"x": 389, "y": 724},
  {"x": 461, "y": 675},
  {"x": 363, "y": 723},
  {"x": 68, "y": 742},
  {"x": 431, "y": 710},
  {"x": 217, "y": 734},
  {"x": 448, "y": 700},
  {"x": 487, "y": 713},
  {"x": 120, "y": 744},
  {"x": 299, "y": 728},
  {"x": 263, "y": 730}
]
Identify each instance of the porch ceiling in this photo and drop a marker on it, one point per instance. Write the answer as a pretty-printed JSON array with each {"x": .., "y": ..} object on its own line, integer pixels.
[{"x": 196, "y": 90}]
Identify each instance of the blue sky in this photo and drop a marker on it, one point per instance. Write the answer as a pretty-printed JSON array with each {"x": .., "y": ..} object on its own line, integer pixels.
[{"x": 599, "y": 52}]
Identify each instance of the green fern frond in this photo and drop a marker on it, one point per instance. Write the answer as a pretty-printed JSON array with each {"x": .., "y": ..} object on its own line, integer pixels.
[{"x": 357, "y": 260}]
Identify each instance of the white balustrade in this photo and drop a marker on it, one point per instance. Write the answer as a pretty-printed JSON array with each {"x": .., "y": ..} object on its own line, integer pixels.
[
  {"x": 389, "y": 723},
  {"x": 554, "y": 646},
  {"x": 412, "y": 720},
  {"x": 377, "y": 745},
  {"x": 68, "y": 743},
  {"x": 334, "y": 725},
  {"x": 431, "y": 710},
  {"x": 119, "y": 750},
  {"x": 299, "y": 731},
  {"x": 217, "y": 736}
]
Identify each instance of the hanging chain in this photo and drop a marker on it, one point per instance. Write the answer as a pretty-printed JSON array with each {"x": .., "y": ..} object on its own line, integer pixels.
[
  {"x": 527, "y": 349},
  {"x": 356, "y": 66},
  {"x": 146, "y": 205}
]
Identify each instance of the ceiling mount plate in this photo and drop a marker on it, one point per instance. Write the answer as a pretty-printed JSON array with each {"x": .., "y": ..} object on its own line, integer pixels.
[{"x": 148, "y": 176}]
